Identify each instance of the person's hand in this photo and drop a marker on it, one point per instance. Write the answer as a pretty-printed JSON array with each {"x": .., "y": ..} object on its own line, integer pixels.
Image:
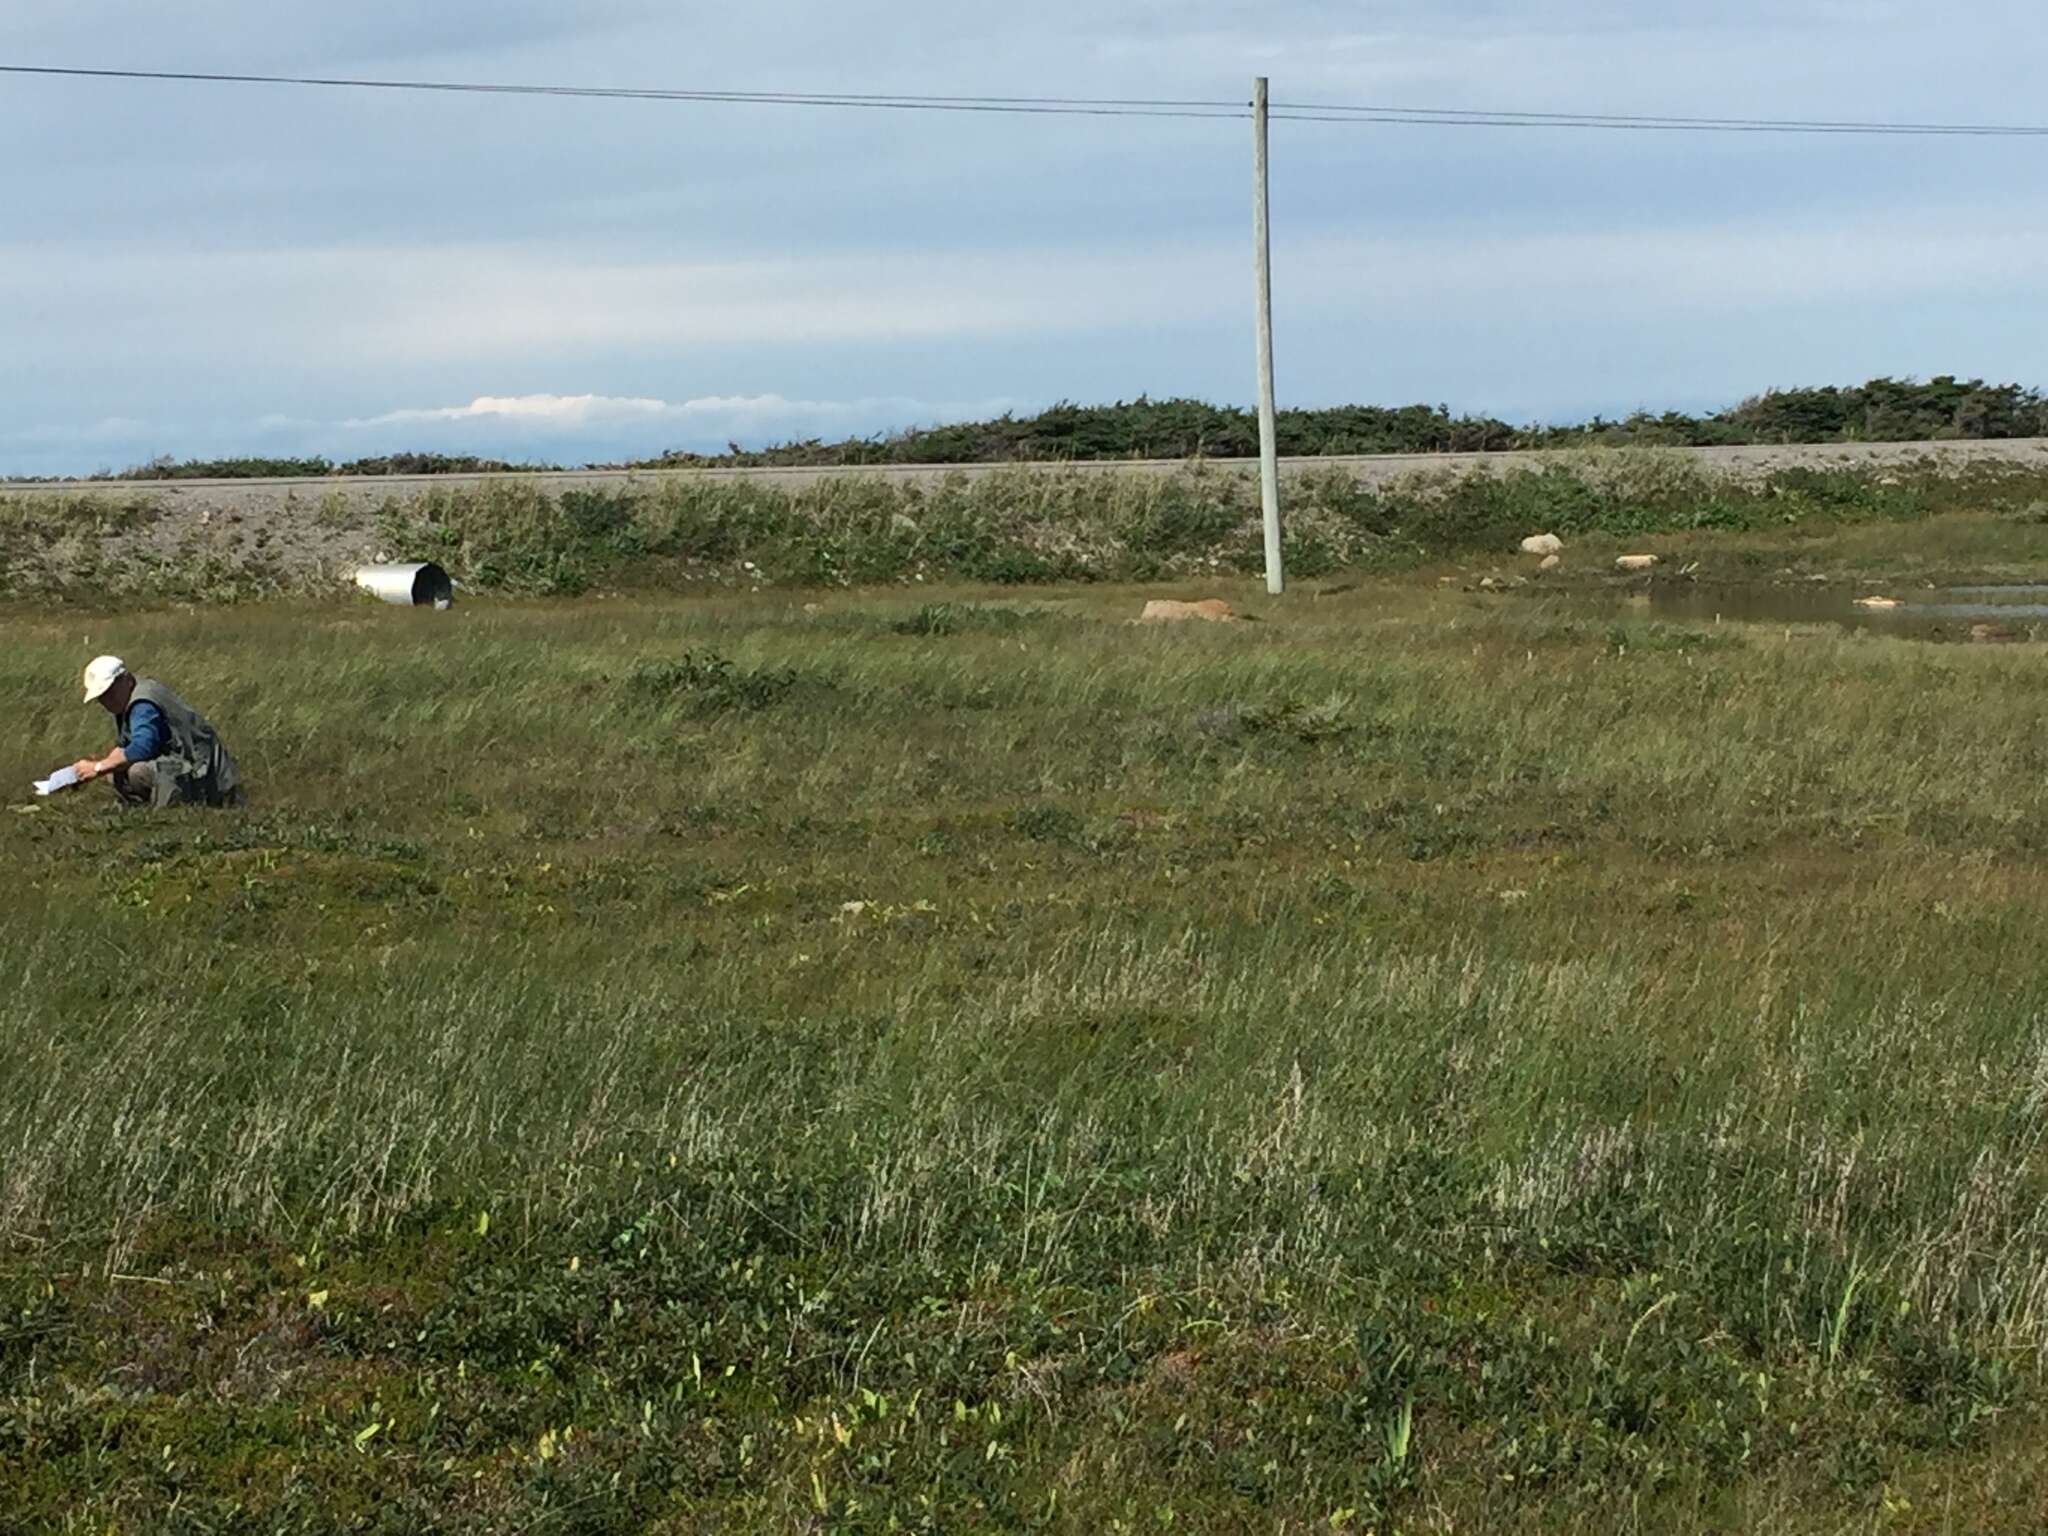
[{"x": 86, "y": 768}]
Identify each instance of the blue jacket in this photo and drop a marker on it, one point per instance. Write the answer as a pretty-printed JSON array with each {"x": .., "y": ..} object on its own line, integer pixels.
[{"x": 140, "y": 732}]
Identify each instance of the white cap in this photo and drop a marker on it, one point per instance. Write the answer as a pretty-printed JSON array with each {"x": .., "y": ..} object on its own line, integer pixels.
[{"x": 101, "y": 673}]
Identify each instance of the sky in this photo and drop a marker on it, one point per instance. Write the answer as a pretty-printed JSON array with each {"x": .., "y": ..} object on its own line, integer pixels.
[{"x": 197, "y": 270}]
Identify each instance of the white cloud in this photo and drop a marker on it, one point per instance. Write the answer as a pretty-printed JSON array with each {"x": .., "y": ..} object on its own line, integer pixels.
[
  {"x": 749, "y": 416},
  {"x": 550, "y": 410}
]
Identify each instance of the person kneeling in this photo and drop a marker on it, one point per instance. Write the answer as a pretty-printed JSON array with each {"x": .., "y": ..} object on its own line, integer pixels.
[{"x": 165, "y": 752}]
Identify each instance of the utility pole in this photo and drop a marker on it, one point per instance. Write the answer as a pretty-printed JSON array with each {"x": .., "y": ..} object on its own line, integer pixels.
[{"x": 1262, "y": 257}]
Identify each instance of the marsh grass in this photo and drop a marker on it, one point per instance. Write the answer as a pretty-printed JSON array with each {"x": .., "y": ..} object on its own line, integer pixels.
[{"x": 1407, "y": 1064}]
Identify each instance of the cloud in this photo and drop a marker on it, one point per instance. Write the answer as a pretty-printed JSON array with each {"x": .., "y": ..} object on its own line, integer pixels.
[
  {"x": 554, "y": 411},
  {"x": 635, "y": 426}
]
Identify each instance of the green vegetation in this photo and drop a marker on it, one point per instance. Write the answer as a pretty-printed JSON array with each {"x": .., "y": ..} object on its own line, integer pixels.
[
  {"x": 1420, "y": 1062},
  {"x": 314, "y": 467},
  {"x": 1881, "y": 411},
  {"x": 1884, "y": 410},
  {"x": 1009, "y": 527}
]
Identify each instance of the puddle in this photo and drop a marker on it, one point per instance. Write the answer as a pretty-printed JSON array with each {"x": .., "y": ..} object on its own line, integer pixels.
[{"x": 1967, "y": 613}]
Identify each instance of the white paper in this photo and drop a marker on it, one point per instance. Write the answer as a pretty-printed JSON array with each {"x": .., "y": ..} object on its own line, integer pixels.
[{"x": 63, "y": 778}]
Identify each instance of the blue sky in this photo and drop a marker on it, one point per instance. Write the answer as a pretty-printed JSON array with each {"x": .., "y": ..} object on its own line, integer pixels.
[{"x": 197, "y": 270}]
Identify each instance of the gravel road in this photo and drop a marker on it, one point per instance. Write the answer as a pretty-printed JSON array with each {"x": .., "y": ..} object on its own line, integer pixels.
[{"x": 251, "y": 498}]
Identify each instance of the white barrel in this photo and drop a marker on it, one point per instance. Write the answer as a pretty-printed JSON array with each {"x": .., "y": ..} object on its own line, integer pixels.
[{"x": 410, "y": 586}]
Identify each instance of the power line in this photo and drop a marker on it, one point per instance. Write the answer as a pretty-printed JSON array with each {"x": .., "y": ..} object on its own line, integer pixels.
[
  {"x": 1056, "y": 106},
  {"x": 1648, "y": 118},
  {"x": 1081, "y": 106},
  {"x": 1444, "y": 117}
]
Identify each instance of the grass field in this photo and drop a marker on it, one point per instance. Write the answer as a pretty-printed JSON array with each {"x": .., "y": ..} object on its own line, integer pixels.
[{"x": 950, "y": 1061}]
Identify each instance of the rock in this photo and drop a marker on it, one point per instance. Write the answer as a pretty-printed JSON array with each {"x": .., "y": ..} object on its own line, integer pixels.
[
  {"x": 1550, "y": 562},
  {"x": 1489, "y": 584},
  {"x": 1880, "y": 603},
  {"x": 902, "y": 522},
  {"x": 1210, "y": 610},
  {"x": 1993, "y": 634},
  {"x": 1634, "y": 562},
  {"x": 1543, "y": 544}
]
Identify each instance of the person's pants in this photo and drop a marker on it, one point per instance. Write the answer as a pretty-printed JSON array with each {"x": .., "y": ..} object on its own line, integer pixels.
[
  {"x": 135, "y": 784},
  {"x": 164, "y": 781}
]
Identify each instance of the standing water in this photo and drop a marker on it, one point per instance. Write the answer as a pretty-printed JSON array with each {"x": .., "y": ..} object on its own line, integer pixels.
[{"x": 1928, "y": 613}]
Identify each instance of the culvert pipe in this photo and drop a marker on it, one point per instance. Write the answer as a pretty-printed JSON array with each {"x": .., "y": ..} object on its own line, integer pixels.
[{"x": 409, "y": 586}]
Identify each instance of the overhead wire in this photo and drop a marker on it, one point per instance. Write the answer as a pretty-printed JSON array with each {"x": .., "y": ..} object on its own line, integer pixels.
[
  {"x": 1640, "y": 118},
  {"x": 1030, "y": 105},
  {"x": 1447, "y": 117},
  {"x": 1072, "y": 106}
]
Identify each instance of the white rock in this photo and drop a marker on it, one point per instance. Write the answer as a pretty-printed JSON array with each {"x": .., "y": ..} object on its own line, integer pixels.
[
  {"x": 1550, "y": 562},
  {"x": 1877, "y": 602},
  {"x": 1543, "y": 544},
  {"x": 1634, "y": 562}
]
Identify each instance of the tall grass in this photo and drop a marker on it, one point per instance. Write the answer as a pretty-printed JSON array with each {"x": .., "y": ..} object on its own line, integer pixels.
[
  {"x": 1012, "y": 528},
  {"x": 1576, "y": 1077},
  {"x": 1020, "y": 527}
]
